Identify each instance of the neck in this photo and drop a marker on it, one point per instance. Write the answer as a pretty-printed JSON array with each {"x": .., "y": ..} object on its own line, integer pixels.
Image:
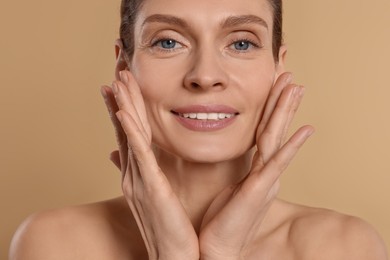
[{"x": 197, "y": 184}]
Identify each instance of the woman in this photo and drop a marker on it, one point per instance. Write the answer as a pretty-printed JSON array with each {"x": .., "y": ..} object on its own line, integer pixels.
[{"x": 201, "y": 105}]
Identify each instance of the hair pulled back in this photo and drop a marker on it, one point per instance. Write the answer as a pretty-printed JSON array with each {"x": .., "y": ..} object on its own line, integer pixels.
[{"x": 129, "y": 10}]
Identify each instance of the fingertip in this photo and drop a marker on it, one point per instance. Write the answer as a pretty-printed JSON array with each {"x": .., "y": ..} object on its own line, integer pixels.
[
  {"x": 103, "y": 91},
  {"x": 288, "y": 77},
  {"x": 123, "y": 76},
  {"x": 128, "y": 73},
  {"x": 302, "y": 134},
  {"x": 310, "y": 130},
  {"x": 302, "y": 91},
  {"x": 307, "y": 132}
]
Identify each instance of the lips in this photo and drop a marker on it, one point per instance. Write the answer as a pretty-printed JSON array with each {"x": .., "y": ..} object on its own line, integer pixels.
[{"x": 205, "y": 117}]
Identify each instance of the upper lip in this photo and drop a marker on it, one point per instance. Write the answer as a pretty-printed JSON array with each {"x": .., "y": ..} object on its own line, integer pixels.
[{"x": 212, "y": 108}]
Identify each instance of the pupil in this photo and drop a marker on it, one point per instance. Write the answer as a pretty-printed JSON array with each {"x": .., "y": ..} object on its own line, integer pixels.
[
  {"x": 242, "y": 45},
  {"x": 168, "y": 44}
]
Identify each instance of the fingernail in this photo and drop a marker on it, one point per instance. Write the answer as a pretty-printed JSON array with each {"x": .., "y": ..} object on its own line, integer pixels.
[
  {"x": 123, "y": 76},
  {"x": 115, "y": 88}
]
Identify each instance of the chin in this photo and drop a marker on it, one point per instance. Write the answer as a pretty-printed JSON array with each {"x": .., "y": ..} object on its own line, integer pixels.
[{"x": 207, "y": 152}]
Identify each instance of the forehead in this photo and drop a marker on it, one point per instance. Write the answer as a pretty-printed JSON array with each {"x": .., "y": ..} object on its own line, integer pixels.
[{"x": 208, "y": 12}]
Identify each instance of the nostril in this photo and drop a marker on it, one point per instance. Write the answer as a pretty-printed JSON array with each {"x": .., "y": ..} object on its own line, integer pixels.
[{"x": 194, "y": 85}]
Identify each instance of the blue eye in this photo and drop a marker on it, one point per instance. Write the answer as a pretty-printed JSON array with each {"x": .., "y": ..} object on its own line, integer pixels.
[
  {"x": 242, "y": 45},
  {"x": 167, "y": 44}
]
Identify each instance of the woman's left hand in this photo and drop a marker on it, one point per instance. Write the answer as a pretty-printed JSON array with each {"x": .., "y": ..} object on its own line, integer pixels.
[{"x": 233, "y": 219}]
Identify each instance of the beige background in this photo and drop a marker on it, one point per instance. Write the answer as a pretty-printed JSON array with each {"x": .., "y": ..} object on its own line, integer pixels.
[{"x": 55, "y": 135}]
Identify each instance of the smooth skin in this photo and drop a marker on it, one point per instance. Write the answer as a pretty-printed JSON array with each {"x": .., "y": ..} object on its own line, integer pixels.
[{"x": 200, "y": 195}]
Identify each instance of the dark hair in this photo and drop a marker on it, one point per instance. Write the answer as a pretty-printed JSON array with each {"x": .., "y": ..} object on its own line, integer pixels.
[
  {"x": 277, "y": 32},
  {"x": 129, "y": 9}
]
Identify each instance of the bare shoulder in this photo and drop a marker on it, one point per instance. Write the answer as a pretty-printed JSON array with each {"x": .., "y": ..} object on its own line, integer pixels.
[
  {"x": 324, "y": 234},
  {"x": 92, "y": 231}
]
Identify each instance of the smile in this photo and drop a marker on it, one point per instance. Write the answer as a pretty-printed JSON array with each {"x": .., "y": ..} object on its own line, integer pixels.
[
  {"x": 207, "y": 116},
  {"x": 205, "y": 121}
]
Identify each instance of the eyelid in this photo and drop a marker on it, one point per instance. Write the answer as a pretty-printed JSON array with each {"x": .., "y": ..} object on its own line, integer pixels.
[
  {"x": 162, "y": 35},
  {"x": 247, "y": 36}
]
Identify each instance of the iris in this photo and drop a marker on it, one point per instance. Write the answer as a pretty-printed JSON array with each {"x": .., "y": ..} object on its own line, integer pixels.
[
  {"x": 241, "y": 45},
  {"x": 168, "y": 44}
]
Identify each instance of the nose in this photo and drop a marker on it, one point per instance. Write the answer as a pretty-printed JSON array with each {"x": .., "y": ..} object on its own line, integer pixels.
[{"x": 206, "y": 72}]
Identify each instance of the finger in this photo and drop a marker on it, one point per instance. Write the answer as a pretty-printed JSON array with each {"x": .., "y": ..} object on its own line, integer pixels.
[
  {"x": 121, "y": 139},
  {"x": 279, "y": 162},
  {"x": 263, "y": 182},
  {"x": 294, "y": 108},
  {"x": 136, "y": 96},
  {"x": 125, "y": 102},
  {"x": 269, "y": 141},
  {"x": 112, "y": 108},
  {"x": 284, "y": 80},
  {"x": 142, "y": 152}
]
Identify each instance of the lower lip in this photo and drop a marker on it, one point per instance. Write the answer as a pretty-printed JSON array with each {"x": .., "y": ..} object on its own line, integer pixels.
[{"x": 204, "y": 125}]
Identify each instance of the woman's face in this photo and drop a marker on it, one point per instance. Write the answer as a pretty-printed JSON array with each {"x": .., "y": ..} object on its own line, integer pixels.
[{"x": 204, "y": 59}]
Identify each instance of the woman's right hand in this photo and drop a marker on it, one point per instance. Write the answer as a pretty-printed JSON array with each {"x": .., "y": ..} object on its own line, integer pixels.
[{"x": 163, "y": 223}]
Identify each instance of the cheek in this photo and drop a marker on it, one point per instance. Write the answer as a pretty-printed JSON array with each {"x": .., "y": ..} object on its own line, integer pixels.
[
  {"x": 157, "y": 79},
  {"x": 254, "y": 83}
]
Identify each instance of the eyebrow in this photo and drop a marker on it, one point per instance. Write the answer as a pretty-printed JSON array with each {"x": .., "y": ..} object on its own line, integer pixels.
[
  {"x": 168, "y": 19},
  {"x": 230, "y": 21}
]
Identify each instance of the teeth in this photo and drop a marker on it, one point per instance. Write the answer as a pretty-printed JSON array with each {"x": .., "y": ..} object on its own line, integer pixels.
[
  {"x": 212, "y": 116},
  {"x": 201, "y": 116},
  {"x": 221, "y": 115},
  {"x": 207, "y": 116}
]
